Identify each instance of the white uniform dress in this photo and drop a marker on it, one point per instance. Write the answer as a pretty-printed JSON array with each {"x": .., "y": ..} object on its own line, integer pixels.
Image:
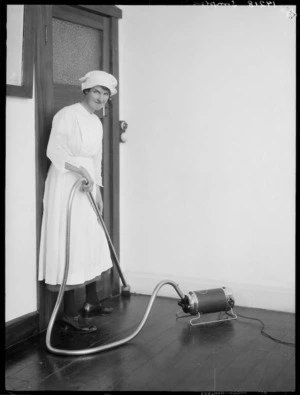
[{"x": 76, "y": 137}]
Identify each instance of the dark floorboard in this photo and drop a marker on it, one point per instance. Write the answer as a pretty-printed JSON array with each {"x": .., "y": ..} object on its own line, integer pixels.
[{"x": 168, "y": 354}]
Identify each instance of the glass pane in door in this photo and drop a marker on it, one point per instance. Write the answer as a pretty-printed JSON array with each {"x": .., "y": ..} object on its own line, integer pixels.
[{"x": 77, "y": 49}]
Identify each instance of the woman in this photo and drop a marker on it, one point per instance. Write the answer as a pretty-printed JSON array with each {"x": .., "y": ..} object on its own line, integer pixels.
[{"x": 76, "y": 140}]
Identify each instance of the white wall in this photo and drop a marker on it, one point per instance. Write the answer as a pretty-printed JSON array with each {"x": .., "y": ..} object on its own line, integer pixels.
[
  {"x": 20, "y": 210},
  {"x": 208, "y": 169}
]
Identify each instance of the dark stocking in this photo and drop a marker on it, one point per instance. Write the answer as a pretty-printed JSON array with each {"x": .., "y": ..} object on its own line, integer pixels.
[
  {"x": 69, "y": 303},
  {"x": 91, "y": 293}
]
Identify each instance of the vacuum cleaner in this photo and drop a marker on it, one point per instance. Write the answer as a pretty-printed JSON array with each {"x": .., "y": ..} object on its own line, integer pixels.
[{"x": 196, "y": 303}]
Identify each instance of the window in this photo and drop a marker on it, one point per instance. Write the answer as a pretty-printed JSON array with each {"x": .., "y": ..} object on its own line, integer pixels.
[{"x": 20, "y": 50}]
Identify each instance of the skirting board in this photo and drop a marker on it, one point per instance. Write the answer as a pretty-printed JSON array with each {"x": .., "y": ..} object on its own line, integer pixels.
[
  {"x": 245, "y": 295},
  {"x": 21, "y": 328}
]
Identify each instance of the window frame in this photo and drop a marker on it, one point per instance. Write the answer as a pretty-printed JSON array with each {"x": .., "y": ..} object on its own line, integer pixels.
[{"x": 26, "y": 88}]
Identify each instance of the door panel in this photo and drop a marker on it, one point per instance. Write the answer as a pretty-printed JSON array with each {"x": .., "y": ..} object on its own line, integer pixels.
[
  {"x": 76, "y": 50},
  {"x": 73, "y": 40}
]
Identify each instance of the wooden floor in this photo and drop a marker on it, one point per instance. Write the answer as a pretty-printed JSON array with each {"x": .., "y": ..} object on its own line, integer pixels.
[{"x": 168, "y": 354}]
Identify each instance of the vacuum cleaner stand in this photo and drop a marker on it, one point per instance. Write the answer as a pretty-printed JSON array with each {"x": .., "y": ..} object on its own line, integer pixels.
[{"x": 195, "y": 321}]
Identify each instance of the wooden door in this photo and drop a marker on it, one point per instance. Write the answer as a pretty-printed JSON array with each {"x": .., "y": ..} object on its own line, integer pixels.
[{"x": 75, "y": 40}]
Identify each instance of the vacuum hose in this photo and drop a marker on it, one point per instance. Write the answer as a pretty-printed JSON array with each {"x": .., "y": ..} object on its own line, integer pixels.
[{"x": 117, "y": 343}]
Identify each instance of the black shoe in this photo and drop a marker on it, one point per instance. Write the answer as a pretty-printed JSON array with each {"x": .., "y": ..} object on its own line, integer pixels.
[
  {"x": 78, "y": 324},
  {"x": 92, "y": 310}
]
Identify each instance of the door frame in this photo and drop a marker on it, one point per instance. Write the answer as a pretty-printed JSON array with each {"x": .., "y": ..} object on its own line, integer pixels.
[{"x": 43, "y": 120}]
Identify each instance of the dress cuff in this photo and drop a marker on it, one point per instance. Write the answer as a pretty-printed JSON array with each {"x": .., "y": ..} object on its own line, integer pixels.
[{"x": 99, "y": 183}]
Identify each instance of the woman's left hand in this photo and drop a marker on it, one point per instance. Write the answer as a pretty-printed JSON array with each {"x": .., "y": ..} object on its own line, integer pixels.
[{"x": 99, "y": 200}]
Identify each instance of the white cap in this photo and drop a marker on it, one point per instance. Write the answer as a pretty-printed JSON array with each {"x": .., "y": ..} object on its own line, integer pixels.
[{"x": 97, "y": 77}]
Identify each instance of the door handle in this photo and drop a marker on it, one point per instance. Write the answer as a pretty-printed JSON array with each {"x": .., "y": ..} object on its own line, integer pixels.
[{"x": 123, "y": 128}]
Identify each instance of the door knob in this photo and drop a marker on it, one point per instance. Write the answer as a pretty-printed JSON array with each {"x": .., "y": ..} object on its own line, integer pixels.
[{"x": 123, "y": 128}]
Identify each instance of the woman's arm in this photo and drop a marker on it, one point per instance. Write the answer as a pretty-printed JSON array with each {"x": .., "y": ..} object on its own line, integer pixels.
[{"x": 58, "y": 148}]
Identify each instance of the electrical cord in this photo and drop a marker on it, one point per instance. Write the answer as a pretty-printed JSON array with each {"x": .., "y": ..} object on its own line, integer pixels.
[{"x": 263, "y": 332}]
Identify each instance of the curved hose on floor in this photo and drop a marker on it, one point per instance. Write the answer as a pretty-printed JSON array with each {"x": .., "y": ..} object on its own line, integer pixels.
[{"x": 86, "y": 351}]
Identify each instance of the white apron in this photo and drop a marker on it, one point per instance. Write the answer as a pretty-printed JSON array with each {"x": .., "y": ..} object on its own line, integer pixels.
[{"x": 76, "y": 137}]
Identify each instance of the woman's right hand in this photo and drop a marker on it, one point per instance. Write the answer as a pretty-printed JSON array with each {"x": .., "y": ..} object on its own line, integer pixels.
[{"x": 88, "y": 185}]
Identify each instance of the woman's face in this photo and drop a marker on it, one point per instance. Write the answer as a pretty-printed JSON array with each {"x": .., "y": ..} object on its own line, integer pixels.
[{"x": 96, "y": 98}]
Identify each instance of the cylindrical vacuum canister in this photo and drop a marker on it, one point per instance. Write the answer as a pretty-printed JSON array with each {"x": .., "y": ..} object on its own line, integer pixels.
[{"x": 210, "y": 300}]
